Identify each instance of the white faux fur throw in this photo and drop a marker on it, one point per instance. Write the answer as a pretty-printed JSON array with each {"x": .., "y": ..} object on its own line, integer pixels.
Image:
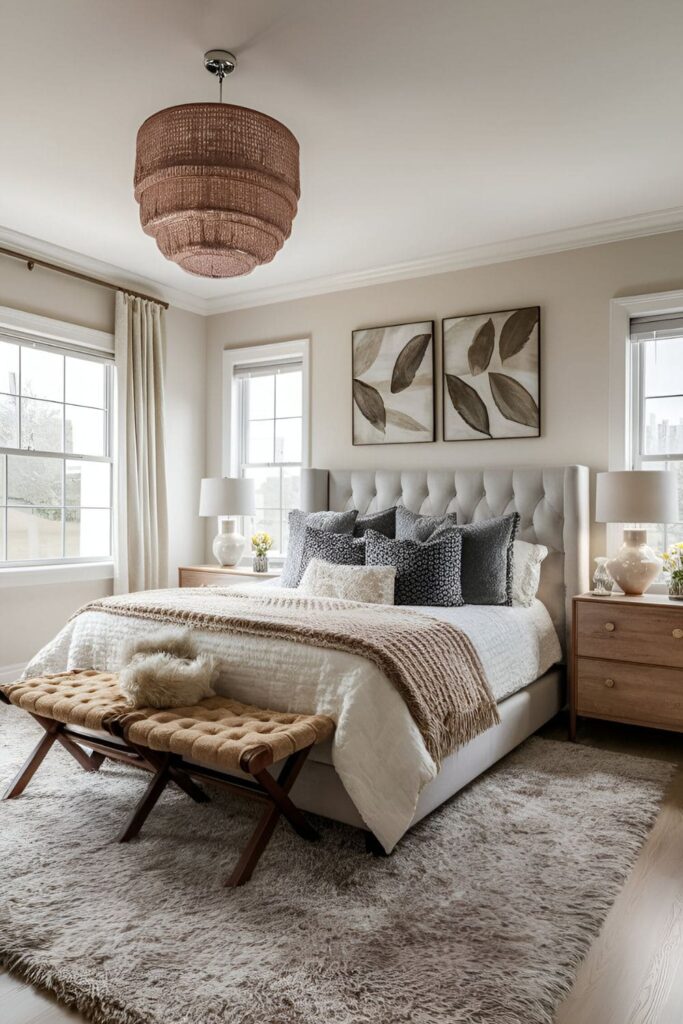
[{"x": 164, "y": 670}]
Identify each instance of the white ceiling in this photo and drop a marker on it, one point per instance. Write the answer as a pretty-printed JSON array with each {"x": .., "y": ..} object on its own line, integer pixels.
[{"x": 426, "y": 126}]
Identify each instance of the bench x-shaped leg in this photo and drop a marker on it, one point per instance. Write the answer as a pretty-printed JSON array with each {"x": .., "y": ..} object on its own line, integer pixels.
[
  {"x": 53, "y": 733},
  {"x": 164, "y": 772},
  {"x": 280, "y": 803}
]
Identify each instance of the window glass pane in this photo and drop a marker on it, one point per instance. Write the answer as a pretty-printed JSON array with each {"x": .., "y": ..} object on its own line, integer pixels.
[
  {"x": 288, "y": 440},
  {"x": 260, "y": 441},
  {"x": 291, "y": 487},
  {"x": 34, "y": 533},
  {"x": 85, "y": 430},
  {"x": 663, "y": 426},
  {"x": 41, "y": 425},
  {"x": 663, "y": 367},
  {"x": 266, "y": 486},
  {"x": 261, "y": 397},
  {"x": 270, "y": 522},
  {"x": 84, "y": 382},
  {"x": 87, "y": 533},
  {"x": 3, "y": 495},
  {"x": 88, "y": 483},
  {"x": 9, "y": 367},
  {"x": 9, "y": 422},
  {"x": 42, "y": 374},
  {"x": 289, "y": 395},
  {"x": 34, "y": 481}
]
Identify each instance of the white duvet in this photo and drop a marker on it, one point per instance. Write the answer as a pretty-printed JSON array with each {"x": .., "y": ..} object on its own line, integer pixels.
[{"x": 377, "y": 750}]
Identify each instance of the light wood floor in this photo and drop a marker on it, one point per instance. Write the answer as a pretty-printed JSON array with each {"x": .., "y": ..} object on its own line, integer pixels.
[{"x": 633, "y": 973}]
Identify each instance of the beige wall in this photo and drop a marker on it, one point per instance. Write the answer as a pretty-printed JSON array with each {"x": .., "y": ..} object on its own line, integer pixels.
[
  {"x": 573, "y": 289},
  {"x": 31, "y": 615}
]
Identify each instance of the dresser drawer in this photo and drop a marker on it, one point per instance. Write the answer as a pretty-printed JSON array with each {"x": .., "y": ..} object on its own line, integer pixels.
[
  {"x": 641, "y": 633},
  {"x": 197, "y": 578},
  {"x": 620, "y": 691}
]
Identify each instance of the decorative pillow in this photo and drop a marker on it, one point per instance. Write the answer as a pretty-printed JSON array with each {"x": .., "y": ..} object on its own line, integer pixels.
[
  {"x": 383, "y": 521},
  {"x": 373, "y": 584},
  {"x": 526, "y": 571},
  {"x": 426, "y": 574},
  {"x": 487, "y": 548},
  {"x": 338, "y": 548},
  {"x": 413, "y": 526},
  {"x": 332, "y": 522}
]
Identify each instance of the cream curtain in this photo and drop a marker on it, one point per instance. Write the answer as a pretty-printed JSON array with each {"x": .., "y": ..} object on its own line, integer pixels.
[{"x": 142, "y": 514}]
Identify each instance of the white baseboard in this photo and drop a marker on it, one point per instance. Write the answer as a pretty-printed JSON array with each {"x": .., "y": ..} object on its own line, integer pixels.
[{"x": 8, "y": 673}]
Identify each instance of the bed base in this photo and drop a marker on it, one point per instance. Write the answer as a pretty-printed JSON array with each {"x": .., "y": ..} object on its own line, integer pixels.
[{"x": 261, "y": 786}]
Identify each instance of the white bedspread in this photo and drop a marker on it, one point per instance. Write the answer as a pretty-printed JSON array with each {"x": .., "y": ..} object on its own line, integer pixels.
[{"x": 377, "y": 750}]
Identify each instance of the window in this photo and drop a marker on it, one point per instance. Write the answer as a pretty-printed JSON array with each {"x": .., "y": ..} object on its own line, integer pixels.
[
  {"x": 657, "y": 407},
  {"x": 269, "y": 442},
  {"x": 55, "y": 454}
]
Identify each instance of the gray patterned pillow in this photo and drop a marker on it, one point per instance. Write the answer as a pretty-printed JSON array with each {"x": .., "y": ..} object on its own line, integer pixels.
[
  {"x": 426, "y": 574},
  {"x": 333, "y": 522},
  {"x": 338, "y": 548},
  {"x": 487, "y": 560},
  {"x": 413, "y": 526},
  {"x": 383, "y": 521}
]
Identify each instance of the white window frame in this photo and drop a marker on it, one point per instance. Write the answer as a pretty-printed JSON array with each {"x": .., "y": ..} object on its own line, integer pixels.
[
  {"x": 623, "y": 416},
  {"x": 253, "y": 354},
  {"x": 29, "y": 328}
]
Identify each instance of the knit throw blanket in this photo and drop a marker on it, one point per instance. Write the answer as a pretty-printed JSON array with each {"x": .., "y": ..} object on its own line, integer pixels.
[{"x": 432, "y": 664}]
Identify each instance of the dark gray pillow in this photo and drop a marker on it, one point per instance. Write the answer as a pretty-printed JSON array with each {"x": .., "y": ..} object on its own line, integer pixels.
[
  {"x": 332, "y": 522},
  {"x": 338, "y": 548},
  {"x": 487, "y": 548},
  {"x": 383, "y": 521},
  {"x": 413, "y": 526},
  {"x": 426, "y": 574}
]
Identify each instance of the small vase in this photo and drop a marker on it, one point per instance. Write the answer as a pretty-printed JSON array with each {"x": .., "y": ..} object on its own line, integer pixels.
[
  {"x": 602, "y": 581},
  {"x": 675, "y": 589},
  {"x": 260, "y": 563}
]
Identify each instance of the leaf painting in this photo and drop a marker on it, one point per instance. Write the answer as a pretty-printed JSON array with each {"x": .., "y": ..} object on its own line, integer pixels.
[
  {"x": 370, "y": 403},
  {"x": 480, "y": 351},
  {"x": 408, "y": 362},
  {"x": 366, "y": 350},
  {"x": 403, "y": 420},
  {"x": 513, "y": 400},
  {"x": 516, "y": 332},
  {"x": 467, "y": 402}
]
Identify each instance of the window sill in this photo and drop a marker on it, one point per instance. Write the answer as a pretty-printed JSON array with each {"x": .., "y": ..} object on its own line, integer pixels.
[{"x": 78, "y": 572}]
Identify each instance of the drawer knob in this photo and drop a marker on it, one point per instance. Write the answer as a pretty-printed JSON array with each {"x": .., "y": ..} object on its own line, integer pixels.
[
  {"x": 609, "y": 683},
  {"x": 677, "y": 634},
  {"x": 609, "y": 626}
]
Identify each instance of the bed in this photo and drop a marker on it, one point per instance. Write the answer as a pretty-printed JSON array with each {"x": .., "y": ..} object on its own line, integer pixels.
[{"x": 377, "y": 773}]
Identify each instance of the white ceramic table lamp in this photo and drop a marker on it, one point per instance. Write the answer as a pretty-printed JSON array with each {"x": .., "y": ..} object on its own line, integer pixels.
[
  {"x": 227, "y": 496},
  {"x": 636, "y": 496}
]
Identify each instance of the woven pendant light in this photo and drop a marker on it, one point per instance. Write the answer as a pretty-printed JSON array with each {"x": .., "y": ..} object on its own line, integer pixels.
[{"x": 217, "y": 184}]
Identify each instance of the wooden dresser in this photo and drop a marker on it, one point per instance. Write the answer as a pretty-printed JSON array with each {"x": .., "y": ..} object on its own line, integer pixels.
[
  {"x": 220, "y": 575},
  {"x": 627, "y": 661}
]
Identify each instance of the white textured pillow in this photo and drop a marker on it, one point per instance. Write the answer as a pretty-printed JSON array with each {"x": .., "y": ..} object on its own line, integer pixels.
[
  {"x": 526, "y": 571},
  {"x": 373, "y": 584}
]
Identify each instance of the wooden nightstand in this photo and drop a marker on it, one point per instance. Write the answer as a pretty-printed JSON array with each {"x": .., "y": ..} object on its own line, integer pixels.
[
  {"x": 627, "y": 661},
  {"x": 220, "y": 575}
]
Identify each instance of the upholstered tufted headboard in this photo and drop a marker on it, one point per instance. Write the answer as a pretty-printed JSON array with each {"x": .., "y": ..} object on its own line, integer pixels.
[{"x": 552, "y": 503}]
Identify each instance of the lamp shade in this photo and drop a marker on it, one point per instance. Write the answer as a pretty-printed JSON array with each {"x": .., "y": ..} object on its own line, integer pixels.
[
  {"x": 226, "y": 496},
  {"x": 636, "y": 496}
]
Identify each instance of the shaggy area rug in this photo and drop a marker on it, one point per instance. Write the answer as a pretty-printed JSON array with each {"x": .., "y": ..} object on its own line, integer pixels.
[{"x": 481, "y": 915}]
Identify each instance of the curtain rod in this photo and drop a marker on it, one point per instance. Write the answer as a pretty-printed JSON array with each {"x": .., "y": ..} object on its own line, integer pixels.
[{"x": 34, "y": 261}]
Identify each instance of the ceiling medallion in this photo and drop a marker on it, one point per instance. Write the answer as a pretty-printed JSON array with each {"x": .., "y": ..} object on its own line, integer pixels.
[{"x": 217, "y": 184}]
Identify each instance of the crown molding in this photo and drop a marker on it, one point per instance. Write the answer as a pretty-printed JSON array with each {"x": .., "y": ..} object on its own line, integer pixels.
[
  {"x": 78, "y": 261},
  {"x": 599, "y": 233}
]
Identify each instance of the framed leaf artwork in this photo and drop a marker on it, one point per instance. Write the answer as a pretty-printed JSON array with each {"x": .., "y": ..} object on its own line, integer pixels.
[
  {"x": 491, "y": 375},
  {"x": 393, "y": 384}
]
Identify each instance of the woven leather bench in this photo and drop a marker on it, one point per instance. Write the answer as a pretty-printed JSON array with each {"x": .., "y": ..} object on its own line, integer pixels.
[{"x": 211, "y": 740}]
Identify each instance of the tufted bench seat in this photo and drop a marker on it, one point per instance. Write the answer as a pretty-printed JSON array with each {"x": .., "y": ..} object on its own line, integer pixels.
[{"x": 211, "y": 740}]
